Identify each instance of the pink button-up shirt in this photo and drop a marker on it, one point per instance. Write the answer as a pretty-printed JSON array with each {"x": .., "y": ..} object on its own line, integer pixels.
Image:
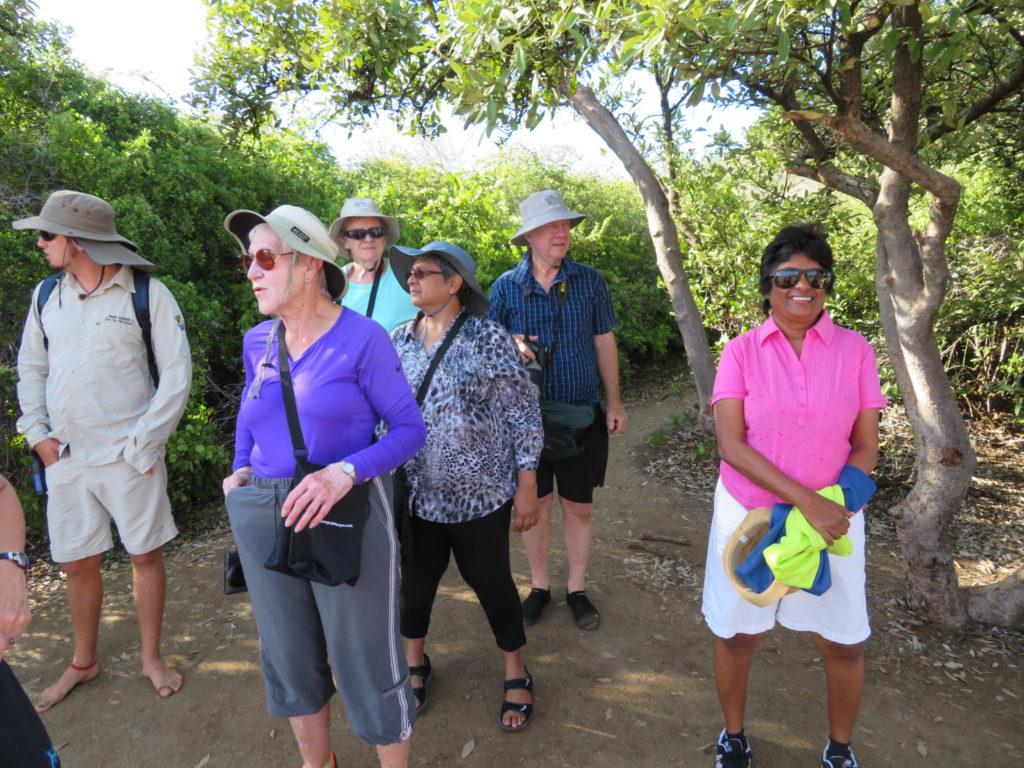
[{"x": 799, "y": 412}]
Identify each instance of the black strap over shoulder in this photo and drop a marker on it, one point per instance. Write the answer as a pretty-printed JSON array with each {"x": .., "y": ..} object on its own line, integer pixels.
[
  {"x": 377, "y": 273},
  {"x": 140, "y": 303},
  {"x": 563, "y": 291},
  {"x": 421, "y": 393},
  {"x": 292, "y": 411}
]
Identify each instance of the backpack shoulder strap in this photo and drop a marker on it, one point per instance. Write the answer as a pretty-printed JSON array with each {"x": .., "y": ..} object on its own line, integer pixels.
[
  {"x": 140, "y": 303},
  {"x": 45, "y": 289}
]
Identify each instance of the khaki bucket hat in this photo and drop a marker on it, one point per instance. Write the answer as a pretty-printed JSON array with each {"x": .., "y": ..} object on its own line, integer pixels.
[
  {"x": 742, "y": 542},
  {"x": 542, "y": 208},
  {"x": 90, "y": 221},
  {"x": 301, "y": 231},
  {"x": 359, "y": 207},
  {"x": 403, "y": 258}
]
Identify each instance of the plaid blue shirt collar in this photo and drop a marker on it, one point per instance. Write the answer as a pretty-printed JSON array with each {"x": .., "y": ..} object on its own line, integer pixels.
[{"x": 522, "y": 274}]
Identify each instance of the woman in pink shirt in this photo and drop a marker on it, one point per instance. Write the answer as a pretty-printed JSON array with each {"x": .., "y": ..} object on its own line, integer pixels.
[{"x": 795, "y": 400}]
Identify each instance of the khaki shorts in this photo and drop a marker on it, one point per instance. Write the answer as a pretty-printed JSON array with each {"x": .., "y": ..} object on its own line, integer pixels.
[
  {"x": 83, "y": 500},
  {"x": 839, "y": 615}
]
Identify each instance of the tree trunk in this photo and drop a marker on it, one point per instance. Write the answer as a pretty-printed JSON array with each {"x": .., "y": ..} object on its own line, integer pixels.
[
  {"x": 664, "y": 235},
  {"x": 944, "y": 457}
]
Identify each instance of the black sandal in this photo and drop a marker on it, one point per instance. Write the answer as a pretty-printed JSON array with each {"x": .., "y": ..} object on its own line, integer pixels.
[
  {"x": 425, "y": 671},
  {"x": 519, "y": 683}
]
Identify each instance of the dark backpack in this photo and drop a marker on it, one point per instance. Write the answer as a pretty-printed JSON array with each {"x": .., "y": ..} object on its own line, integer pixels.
[{"x": 140, "y": 303}]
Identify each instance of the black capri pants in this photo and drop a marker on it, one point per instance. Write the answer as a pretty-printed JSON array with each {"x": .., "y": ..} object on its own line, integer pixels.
[{"x": 480, "y": 547}]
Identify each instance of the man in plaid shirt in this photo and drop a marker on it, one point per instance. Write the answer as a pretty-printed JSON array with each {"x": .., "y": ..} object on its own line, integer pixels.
[{"x": 561, "y": 307}]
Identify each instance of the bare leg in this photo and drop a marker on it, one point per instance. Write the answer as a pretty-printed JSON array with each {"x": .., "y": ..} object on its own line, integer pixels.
[
  {"x": 514, "y": 669},
  {"x": 85, "y": 598},
  {"x": 394, "y": 755},
  {"x": 844, "y": 674},
  {"x": 150, "y": 582},
  {"x": 579, "y": 535},
  {"x": 732, "y": 658},
  {"x": 537, "y": 542},
  {"x": 313, "y": 735},
  {"x": 414, "y": 658}
]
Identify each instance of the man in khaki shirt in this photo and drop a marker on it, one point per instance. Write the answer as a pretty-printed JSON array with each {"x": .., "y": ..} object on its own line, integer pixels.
[{"x": 92, "y": 413}]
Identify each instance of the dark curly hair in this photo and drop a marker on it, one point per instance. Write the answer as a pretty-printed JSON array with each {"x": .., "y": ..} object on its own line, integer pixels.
[{"x": 805, "y": 238}]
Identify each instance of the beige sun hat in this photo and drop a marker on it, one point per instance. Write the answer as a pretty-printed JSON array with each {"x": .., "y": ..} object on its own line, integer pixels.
[
  {"x": 542, "y": 208},
  {"x": 90, "y": 221},
  {"x": 742, "y": 542},
  {"x": 359, "y": 207},
  {"x": 301, "y": 231}
]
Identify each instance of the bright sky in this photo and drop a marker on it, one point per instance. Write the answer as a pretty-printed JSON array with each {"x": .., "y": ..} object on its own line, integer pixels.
[{"x": 148, "y": 47}]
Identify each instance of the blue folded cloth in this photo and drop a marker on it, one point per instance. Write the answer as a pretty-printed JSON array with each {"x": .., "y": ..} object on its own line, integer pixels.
[{"x": 857, "y": 487}]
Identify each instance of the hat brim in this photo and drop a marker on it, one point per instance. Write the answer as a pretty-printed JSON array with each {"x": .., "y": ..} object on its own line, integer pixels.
[
  {"x": 519, "y": 238},
  {"x": 402, "y": 259},
  {"x": 390, "y": 224},
  {"x": 240, "y": 223},
  {"x": 49, "y": 225},
  {"x": 742, "y": 542}
]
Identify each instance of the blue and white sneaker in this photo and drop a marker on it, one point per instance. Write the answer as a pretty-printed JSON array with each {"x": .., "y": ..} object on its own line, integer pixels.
[
  {"x": 838, "y": 761},
  {"x": 732, "y": 753}
]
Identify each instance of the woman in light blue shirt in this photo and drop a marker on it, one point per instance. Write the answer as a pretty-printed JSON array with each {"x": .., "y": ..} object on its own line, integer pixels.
[{"x": 363, "y": 233}]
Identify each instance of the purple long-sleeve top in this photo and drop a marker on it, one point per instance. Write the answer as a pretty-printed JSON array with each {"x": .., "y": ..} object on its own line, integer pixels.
[{"x": 348, "y": 380}]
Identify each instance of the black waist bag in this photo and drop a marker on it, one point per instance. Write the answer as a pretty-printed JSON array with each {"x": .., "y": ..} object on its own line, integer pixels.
[
  {"x": 330, "y": 553},
  {"x": 564, "y": 426}
]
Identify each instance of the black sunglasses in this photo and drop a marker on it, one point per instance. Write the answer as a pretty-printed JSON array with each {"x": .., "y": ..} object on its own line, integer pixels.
[
  {"x": 47, "y": 236},
  {"x": 816, "y": 278},
  {"x": 358, "y": 234},
  {"x": 265, "y": 257}
]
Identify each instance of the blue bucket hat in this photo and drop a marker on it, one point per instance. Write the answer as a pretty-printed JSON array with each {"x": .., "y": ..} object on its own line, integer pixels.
[{"x": 402, "y": 259}]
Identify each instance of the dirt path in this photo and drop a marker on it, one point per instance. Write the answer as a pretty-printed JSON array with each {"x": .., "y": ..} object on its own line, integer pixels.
[{"x": 636, "y": 692}]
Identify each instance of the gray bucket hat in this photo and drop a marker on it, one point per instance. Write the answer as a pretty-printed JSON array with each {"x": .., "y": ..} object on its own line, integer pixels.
[
  {"x": 300, "y": 230},
  {"x": 542, "y": 208},
  {"x": 90, "y": 221},
  {"x": 359, "y": 207},
  {"x": 402, "y": 259}
]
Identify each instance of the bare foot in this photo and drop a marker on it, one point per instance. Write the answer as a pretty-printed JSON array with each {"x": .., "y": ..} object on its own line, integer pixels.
[
  {"x": 166, "y": 680},
  {"x": 73, "y": 676}
]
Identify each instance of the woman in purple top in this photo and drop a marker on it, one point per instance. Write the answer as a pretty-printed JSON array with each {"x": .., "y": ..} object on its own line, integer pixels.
[
  {"x": 346, "y": 378},
  {"x": 795, "y": 401}
]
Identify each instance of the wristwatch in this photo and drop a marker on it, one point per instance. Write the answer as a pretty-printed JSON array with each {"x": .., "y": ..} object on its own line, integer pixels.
[
  {"x": 20, "y": 559},
  {"x": 349, "y": 469}
]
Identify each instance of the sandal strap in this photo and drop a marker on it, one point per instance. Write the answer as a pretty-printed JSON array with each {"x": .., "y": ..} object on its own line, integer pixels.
[
  {"x": 519, "y": 683},
  {"x": 421, "y": 671}
]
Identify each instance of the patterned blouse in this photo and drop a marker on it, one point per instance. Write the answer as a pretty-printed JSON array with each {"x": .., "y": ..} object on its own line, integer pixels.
[{"x": 483, "y": 422}]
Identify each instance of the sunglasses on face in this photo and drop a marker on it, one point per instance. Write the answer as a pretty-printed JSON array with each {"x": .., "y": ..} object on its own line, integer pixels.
[
  {"x": 419, "y": 273},
  {"x": 265, "y": 257},
  {"x": 358, "y": 234},
  {"x": 47, "y": 236},
  {"x": 816, "y": 278}
]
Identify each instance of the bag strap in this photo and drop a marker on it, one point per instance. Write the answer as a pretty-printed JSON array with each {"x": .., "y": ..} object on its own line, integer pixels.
[
  {"x": 285, "y": 372},
  {"x": 376, "y": 284},
  {"x": 421, "y": 393},
  {"x": 140, "y": 303},
  {"x": 563, "y": 290}
]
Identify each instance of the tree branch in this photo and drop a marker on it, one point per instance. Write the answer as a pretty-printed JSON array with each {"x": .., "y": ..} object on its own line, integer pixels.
[
  {"x": 987, "y": 103},
  {"x": 827, "y": 174}
]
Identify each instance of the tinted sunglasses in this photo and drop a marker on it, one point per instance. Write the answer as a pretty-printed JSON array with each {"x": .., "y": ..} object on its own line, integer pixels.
[
  {"x": 358, "y": 234},
  {"x": 265, "y": 257},
  {"x": 419, "y": 273},
  {"x": 47, "y": 236},
  {"x": 816, "y": 278}
]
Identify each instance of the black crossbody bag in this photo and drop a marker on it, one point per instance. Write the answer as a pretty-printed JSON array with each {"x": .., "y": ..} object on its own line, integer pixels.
[{"x": 329, "y": 553}]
